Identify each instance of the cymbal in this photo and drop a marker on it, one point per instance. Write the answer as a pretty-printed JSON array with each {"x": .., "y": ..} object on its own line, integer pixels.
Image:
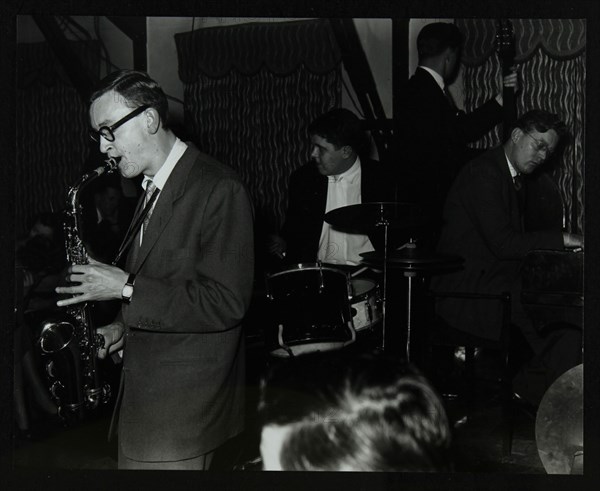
[
  {"x": 411, "y": 257},
  {"x": 367, "y": 217},
  {"x": 559, "y": 423}
]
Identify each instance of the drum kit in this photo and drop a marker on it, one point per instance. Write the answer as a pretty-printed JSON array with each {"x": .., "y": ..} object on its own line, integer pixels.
[{"x": 318, "y": 307}]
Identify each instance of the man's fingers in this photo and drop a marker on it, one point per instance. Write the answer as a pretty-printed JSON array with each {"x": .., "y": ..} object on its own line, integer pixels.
[{"x": 71, "y": 301}]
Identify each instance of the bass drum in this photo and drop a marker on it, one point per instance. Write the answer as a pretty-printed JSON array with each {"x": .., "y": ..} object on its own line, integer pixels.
[{"x": 309, "y": 311}]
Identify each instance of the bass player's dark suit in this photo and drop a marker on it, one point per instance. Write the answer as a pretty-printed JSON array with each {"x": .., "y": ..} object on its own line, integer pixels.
[{"x": 434, "y": 136}]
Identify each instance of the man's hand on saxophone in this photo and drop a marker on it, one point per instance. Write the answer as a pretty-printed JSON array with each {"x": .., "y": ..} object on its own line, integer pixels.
[
  {"x": 92, "y": 282},
  {"x": 113, "y": 338}
]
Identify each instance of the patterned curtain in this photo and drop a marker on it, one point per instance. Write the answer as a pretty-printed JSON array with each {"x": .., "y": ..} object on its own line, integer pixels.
[
  {"x": 550, "y": 60},
  {"x": 51, "y": 131},
  {"x": 250, "y": 91}
]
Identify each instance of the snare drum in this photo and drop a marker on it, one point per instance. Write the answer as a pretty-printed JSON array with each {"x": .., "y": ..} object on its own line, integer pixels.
[
  {"x": 310, "y": 310},
  {"x": 365, "y": 303}
]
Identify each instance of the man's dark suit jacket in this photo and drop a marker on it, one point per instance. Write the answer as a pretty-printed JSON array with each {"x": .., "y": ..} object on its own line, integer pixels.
[
  {"x": 434, "y": 139},
  {"x": 182, "y": 384},
  {"x": 482, "y": 224},
  {"x": 308, "y": 199}
]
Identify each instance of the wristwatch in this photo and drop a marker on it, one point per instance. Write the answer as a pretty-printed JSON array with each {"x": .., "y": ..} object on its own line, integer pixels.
[{"x": 127, "y": 291}]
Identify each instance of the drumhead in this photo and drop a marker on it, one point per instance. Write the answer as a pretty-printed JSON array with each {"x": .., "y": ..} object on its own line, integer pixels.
[
  {"x": 360, "y": 286},
  {"x": 306, "y": 267}
]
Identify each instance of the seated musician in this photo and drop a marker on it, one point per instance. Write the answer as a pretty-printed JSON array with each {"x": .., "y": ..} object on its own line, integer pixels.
[
  {"x": 340, "y": 174},
  {"x": 483, "y": 225},
  {"x": 363, "y": 413}
]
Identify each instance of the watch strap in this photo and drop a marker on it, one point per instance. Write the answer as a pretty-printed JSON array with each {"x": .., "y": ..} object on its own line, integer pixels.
[{"x": 128, "y": 288}]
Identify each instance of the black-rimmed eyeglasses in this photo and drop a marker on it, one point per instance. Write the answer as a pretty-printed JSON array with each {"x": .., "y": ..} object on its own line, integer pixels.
[
  {"x": 540, "y": 146},
  {"x": 107, "y": 132}
]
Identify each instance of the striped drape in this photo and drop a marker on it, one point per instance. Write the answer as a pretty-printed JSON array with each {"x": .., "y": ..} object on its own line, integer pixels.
[
  {"x": 257, "y": 124},
  {"x": 250, "y": 92},
  {"x": 51, "y": 131},
  {"x": 550, "y": 60}
]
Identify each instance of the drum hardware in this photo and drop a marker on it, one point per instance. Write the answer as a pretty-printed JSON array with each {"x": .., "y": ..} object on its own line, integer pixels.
[
  {"x": 321, "y": 280},
  {"x": 413, "y": 262},
  {"x": 559, "y": 424},
  {"x": 366, "y": 303},
  {"x": 365, "y": 218}
]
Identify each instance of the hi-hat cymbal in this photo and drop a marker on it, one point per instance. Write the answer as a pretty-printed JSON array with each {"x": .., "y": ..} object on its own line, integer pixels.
[
  {"x": 412, "y": 257},
  {"x": 559, "y": 424},
  {"x": 367, "y": 217}
]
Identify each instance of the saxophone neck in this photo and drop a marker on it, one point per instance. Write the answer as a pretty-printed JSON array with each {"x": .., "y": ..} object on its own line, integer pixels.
[{"x": 109, "y": 166}]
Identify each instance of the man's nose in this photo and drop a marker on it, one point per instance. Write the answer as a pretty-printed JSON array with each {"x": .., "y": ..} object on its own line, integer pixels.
[
  {"x": 104, "y": 144},
  {"x": 314, "y": 153}
]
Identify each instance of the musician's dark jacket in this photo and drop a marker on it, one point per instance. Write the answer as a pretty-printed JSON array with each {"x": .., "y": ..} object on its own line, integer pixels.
[
  {"x": 308, "y": 199},
  {"x": 482, "y": 224},
  {"x": 434, "y": 137},
  {"x": 182, "y": 385}
]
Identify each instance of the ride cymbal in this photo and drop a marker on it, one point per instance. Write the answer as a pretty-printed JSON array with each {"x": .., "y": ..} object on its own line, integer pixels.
[{"x": 367, "y": 217}]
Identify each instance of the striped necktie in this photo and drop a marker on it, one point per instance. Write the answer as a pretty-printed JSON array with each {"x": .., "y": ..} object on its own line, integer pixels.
[{"x": 150, "y": 188}]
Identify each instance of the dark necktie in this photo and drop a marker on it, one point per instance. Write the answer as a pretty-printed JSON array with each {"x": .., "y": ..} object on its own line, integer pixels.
[
  {"x": 519, "y": 183},
  {"x": 150, "y": 188},
  {"x": 149, "y": 199}
]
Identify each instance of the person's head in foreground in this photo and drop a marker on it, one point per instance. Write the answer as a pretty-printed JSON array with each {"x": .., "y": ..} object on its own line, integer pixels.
[{"x": 363, "y": 414}]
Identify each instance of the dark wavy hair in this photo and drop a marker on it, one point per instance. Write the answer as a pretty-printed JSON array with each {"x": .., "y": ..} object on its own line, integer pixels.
[
  {"x": 341, "y": 127},
  {"x": 137, "y": 89},
  {"x": 541, "y": 121},
  {"x": 364, "y": 414},
  {"x": 436, "y": 37}
]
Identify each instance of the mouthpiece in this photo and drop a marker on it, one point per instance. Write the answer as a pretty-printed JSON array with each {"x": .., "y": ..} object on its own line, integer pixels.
[
  {"x": 111, "y": 165},
  {"x": 99, "y": 170}
]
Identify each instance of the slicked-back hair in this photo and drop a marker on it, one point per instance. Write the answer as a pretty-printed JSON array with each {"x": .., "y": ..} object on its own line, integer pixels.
[
  {"x": 341, "y": 127},
  {"x": 364, "y": 413},
  {"x": 541, "y": 121},
  {"x": 137, "y": 89},
  {"x": 436, "y": 37}
]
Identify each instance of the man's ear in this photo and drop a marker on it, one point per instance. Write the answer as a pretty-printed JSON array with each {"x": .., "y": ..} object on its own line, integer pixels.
[
  {"x": 152, "y": 120},
  {"x": 515, "y": 134},
  {"x": 347, "y": 151}
]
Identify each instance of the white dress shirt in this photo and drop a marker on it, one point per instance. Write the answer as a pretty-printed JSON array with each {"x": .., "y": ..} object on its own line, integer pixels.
[
  {"x": 338, "y": 247},
  {"x": 160, "y": 178}
]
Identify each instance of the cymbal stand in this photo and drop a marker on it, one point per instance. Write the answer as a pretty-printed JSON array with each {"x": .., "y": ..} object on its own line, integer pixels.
[
  {"x": 409, "y": 276},
  {"x": 383, "y": 222}
]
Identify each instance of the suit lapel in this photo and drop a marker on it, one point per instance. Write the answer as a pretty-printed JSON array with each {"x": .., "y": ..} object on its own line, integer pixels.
[
  {"x": 163, "y": 210},
  {"x": 508, "y": 187}
]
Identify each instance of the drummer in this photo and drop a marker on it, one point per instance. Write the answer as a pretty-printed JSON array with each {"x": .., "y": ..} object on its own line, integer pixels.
[{"x": 339, "y": 174}]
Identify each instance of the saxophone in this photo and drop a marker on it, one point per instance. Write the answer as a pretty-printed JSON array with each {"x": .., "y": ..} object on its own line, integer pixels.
[{"x": 68, "y": 341}]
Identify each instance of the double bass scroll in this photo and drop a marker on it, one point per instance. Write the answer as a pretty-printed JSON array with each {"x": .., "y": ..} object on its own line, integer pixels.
[{"x": 505, "y": 47}]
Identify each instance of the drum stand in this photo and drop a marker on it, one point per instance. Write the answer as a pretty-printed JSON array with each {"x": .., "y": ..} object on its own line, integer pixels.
[
  {"x": 383, "y": 222},
  {"x": 409, "y": 275},
  {"x": 411, "y": 261}
]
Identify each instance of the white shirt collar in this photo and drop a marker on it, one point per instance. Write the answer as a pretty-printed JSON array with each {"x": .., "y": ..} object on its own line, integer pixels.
[
  {"x": 348, "y": 175},
  {"x": 513, "y": 171},
  {"x": 160, "y": 178},
  {"x": 436, "y": 76}
]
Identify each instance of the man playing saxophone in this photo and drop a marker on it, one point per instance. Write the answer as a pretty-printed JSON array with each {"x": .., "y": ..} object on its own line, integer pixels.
[{"x": 185, "y": 287}]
